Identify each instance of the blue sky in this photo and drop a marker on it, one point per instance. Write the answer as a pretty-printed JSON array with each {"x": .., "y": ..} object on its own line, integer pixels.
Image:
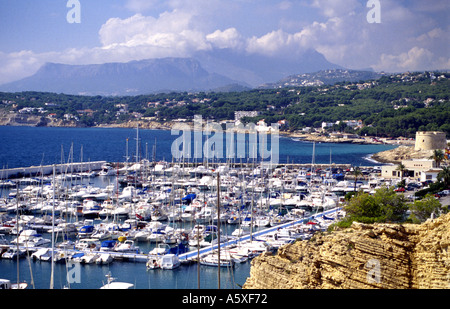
[{"x": 412, "y": 35}]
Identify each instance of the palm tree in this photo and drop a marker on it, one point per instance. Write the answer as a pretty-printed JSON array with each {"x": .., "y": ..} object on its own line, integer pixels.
[
  {"x": 356, "y": 172},
  {"x": 445, "y": 175},
  {"x": 438, "y": 156},
  {"x": 402, "y": 169}
]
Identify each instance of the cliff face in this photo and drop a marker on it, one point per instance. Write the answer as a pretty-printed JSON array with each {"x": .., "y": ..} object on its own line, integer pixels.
[
  {"x": 401, "y": 153},
  {"x": 386, "y": 256}
]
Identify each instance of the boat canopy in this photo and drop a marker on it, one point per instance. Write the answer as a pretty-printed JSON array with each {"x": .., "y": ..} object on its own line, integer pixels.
[
  {"x": 190, "y": 197},
  {"x": 109, "y": 243},
  {"x": 87, "y": 229}
]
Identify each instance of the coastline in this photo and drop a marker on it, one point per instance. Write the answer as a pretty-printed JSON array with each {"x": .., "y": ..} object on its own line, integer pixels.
[
  {"x": 403, "y": 151},
  {"x": 309, "y": 137},
  {"x": 35, "y": 121}
]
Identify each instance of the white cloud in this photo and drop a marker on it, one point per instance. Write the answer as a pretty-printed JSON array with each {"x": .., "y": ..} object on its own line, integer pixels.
[
  {"x": 270, "y": 44},
  {"x": 408, "y": 38},
  {"x": 337, "y": 8},
  {"x": 173, "y": 32},
  {"x": 17, "y": 65},
  {"x": 229, "y": 38},
  {"x": 416, "y": 59}
]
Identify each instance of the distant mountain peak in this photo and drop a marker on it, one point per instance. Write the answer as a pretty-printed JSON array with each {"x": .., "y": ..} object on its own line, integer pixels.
[
  {"x": 204, "y": 71},
  {"x": 258, "y": 69},
  {"x": 131, "y": 78}
]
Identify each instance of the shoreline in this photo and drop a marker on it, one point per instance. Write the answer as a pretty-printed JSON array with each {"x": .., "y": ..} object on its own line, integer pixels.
[
  {"x": 38, "y": 121},
  {"x": 376, "y": 158}
]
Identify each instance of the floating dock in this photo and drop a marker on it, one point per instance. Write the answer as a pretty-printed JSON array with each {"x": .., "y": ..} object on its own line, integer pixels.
[{"x": 191, "y": 255}]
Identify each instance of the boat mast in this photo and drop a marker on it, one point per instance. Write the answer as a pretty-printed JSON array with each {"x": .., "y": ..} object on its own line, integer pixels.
[
  {"x": 198, "y": 256},
  {"x": 218, "y": 228},
  {"x": 18, "y": 233},
  {"x": 137, "y": 143},
  {"x": 313, "y": 162},
  {"x": 53, "y": 231}
]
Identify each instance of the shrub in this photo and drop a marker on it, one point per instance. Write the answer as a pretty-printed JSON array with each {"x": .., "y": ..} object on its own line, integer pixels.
[{"x": 383, "y": 206}]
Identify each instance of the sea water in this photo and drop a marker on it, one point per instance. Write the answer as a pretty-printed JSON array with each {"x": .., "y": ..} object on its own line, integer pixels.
[{"x": 29, "y": 146}]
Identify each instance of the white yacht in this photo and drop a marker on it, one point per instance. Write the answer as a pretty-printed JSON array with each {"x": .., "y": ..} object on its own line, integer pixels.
[
  {"x": 127, "y": 247},
  {"x": 30, "y": 239},
  {"x": 170, "y": 261},
  {"x": 113, "y": 285}
]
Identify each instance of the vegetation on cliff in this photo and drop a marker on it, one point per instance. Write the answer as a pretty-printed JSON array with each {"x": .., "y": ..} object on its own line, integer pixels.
[{"x": 386, "y": 205}]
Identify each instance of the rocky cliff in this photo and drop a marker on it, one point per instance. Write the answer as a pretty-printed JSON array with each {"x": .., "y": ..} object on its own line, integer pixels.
[
  {"x": 397, "y": 155},
  {"x": 379, "y": 256}
]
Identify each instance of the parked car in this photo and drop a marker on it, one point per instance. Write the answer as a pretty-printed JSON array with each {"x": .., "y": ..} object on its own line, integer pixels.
[{"x": 444, "y": 193}]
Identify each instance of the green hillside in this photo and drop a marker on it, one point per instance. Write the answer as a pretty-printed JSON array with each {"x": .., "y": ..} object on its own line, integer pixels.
[{"x": 393, "y": 105}]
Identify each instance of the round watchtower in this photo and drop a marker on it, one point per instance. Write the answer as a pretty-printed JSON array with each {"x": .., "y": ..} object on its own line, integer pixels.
[{"x": 430, "y": 140}]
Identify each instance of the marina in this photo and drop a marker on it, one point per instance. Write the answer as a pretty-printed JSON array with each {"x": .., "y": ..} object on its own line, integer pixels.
[
  {"x": 154, "y": 218},
  {"x": 63, "y": 219}
]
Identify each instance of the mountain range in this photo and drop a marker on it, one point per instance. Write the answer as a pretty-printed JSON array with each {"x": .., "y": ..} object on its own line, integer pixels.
[{"x": 204, "y": 71}]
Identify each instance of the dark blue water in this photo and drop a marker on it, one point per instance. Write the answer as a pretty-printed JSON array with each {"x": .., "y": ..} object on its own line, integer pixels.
[
  {"x": 94, "y": 276},
  {"x": 28, "y": 146}
]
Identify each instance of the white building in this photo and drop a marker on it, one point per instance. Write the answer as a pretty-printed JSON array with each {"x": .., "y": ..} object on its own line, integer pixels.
[
  {"x": 238, "y": 115},
  {"x": 418, "y": 169}
]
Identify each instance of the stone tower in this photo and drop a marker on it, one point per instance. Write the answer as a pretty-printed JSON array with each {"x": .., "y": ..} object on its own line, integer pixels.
[{"x": 430, "y": 140}]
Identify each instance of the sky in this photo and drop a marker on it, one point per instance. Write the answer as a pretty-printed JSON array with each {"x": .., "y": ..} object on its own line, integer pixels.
[{"x": 409, "y": 35}]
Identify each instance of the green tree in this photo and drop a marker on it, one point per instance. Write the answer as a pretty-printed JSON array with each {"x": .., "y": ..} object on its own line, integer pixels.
[
  {"x": 356, "y": 173},
  {"x": 422, "y": 209},
  {"x": 383, "y": 206},
  {"x": 438, "y": 156},
  {"x": 401, "y": 167},
  {"x": 444, "y": 176}
]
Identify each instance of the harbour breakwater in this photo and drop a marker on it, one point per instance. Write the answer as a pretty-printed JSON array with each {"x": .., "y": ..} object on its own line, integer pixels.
[
  {"x": 365, "y": 256},
  {"x": 35, "y": 171}
]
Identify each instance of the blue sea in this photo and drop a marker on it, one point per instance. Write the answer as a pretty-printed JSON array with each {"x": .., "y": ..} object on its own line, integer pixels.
[{"x": 28, "y": 146}]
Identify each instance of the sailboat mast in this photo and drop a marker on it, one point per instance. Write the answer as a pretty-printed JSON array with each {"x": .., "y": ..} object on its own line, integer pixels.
[
  {"x": 18, "y": 232},
  {"x": 218, "y": 228},
  {"x": 137, "y": 143},
  {"x": 53, "y": 231}
]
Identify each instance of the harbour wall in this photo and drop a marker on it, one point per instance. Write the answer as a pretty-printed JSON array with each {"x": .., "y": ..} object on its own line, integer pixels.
[
  {"x": 34, "y": 171},
  {"x": 46, "y": 170}
]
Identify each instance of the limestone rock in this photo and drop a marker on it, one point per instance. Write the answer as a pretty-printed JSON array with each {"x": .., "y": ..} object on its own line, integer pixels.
[
  {"x": 397, "y": 155},
  {"x": 365, "y": 256}
]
